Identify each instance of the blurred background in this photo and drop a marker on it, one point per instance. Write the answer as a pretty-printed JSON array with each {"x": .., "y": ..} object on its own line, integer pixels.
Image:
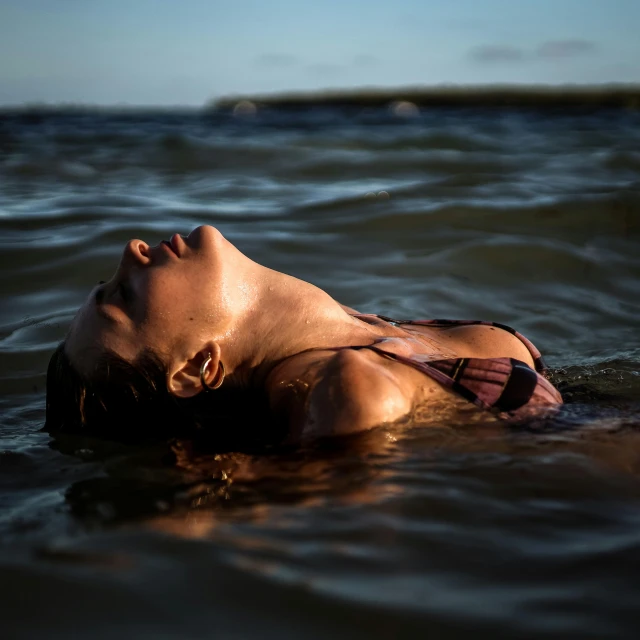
[
  {"x": 473, "y": 160},
  {"x": 158, "y": 52}
]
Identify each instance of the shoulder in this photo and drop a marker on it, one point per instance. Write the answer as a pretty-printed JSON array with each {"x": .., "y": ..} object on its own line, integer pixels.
[
  {"x": 358, "y": 391},
  {"x": 341, "y": 392}
]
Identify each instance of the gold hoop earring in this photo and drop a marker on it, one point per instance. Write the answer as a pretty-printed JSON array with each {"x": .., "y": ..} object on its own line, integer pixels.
[{"x": 219, "y": 379}]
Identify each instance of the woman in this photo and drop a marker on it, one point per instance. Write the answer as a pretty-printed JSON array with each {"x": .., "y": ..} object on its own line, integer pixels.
[{"x": 187, "y": 323}]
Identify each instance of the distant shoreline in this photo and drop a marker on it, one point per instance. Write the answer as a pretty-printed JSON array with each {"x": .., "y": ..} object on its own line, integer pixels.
[
  {"x": 625, "y": 96},
  {"x": 542, "y": 96}
]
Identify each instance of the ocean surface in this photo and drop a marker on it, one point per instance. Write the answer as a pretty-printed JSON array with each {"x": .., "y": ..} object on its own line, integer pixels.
[{"x": 424, "y": 529}]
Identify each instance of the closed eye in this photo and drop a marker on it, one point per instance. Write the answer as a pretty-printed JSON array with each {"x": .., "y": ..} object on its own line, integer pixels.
[{"x": 125, "y": 292}]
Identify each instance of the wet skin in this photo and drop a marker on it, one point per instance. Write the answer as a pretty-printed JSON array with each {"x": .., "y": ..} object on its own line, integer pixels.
[{"x": 198, "y": 295}]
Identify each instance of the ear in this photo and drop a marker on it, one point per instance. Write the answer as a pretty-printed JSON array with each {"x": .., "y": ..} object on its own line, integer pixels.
[{"x": 183, "y": 377}]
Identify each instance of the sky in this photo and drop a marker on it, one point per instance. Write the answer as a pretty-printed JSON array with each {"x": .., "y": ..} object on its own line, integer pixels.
[{"x": 188, "y": 52}]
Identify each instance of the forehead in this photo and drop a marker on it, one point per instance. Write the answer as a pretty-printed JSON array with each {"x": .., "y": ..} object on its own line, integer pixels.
[{"x": 92, "y": 333}]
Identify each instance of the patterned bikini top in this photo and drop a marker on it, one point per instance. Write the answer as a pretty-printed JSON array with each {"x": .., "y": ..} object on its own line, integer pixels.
[{"x": 506, "y": 386}]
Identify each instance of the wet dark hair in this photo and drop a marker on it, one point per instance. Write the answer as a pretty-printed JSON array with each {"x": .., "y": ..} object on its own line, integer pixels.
[
  {"x": 130, "y": 401},
  {"x": 119, "y": 397}
]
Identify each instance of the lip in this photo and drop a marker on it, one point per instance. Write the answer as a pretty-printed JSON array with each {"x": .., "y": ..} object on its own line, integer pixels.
[
  {"x": 173, "y": 245},
  {"x": 176, "y": 243},
  {"x": 167, "y": 245}
]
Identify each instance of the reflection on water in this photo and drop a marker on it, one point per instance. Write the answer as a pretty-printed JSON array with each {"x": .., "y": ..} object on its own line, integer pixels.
[{"x": 523, "y": 217}]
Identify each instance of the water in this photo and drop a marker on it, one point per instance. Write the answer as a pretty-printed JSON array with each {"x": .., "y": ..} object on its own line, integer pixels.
[{"x": 531, "y": 218}]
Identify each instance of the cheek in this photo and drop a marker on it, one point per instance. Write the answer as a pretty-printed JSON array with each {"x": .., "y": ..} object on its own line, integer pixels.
[
  {"x": 157, "y": 308},
  {"x": 177, "y": 305},
  {"x": 166, "y": 309}
]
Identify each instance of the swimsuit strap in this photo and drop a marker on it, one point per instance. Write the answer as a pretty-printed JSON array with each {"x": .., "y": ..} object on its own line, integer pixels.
[{"x": 538, "y": 361}]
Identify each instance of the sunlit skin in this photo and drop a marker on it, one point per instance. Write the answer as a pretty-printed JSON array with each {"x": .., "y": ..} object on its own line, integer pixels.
[{"x": 203, "y": 296}]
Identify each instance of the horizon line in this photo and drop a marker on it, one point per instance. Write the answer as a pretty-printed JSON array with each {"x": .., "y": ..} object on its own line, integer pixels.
[{"x": 377, "y": 95}]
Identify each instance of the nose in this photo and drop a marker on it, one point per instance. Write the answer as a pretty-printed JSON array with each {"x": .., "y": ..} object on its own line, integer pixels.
[{"x": 136, "y": 252}]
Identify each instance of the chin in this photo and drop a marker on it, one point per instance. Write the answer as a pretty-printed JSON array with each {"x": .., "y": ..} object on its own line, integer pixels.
[{"x": 204, "y": 236}]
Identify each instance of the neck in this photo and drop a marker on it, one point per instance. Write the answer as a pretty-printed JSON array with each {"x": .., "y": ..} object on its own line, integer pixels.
[{"x": 286, "y": 316}]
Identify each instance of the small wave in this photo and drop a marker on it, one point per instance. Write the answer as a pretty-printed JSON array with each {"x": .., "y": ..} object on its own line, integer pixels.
[
  {"x": 608, "y": 383},
  {"x": 578, "y": 217}
]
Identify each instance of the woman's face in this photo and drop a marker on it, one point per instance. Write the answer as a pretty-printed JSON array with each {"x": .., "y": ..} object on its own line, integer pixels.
[{"x": 164, "y": 298}]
